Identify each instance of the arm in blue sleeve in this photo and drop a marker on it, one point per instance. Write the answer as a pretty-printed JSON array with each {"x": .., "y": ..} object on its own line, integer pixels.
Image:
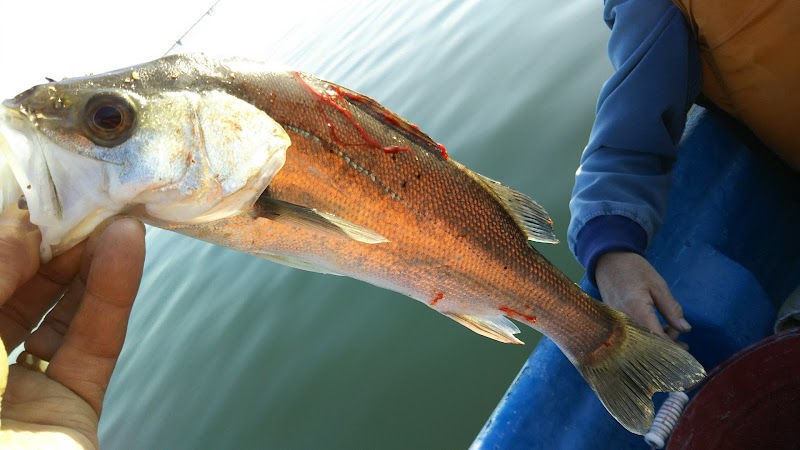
[{"x": 623, "y": 181}]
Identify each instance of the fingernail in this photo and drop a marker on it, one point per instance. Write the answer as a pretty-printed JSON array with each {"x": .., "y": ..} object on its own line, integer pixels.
[{"x": 684, "y": 325}]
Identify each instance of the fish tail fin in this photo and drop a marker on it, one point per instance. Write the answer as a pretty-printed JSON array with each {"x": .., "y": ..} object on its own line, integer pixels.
[{"x": 643, "y": 363}]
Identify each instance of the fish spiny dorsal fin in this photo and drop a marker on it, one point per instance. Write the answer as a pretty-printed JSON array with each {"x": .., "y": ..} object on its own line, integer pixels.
[
  {"x": 494, "y": 327},
  {"x": 304, "y": 217},
  {"x": 529, "y": 215}
]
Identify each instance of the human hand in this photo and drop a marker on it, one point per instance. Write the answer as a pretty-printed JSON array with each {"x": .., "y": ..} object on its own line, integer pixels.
[
  {"x": 628, "y": 283},
  {"x": 81, "y": 336}
]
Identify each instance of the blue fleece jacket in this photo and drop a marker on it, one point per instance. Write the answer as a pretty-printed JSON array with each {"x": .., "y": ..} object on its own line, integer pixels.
[{"x": 625, "y": 173}]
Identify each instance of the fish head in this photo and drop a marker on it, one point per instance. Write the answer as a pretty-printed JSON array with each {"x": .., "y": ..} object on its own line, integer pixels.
[{"x": 166, "y": 141}]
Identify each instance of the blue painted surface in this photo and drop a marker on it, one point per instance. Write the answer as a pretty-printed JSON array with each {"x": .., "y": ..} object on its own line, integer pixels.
[{"x": 730, "y": 250}]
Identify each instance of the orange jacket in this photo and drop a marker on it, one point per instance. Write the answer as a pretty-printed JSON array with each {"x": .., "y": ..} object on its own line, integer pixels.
[{"x": 750, "y": 51}]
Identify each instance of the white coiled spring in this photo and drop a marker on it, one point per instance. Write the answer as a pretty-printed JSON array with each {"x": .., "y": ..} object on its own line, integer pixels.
[{"x": 665, "y": 420}]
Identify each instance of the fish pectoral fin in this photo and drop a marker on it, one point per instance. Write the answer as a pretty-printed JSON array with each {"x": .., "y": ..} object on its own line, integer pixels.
[
  {"x": 310, "y": 218},
  {"x": 529, "y": 215},
  {"x": 494, "y": 327}
]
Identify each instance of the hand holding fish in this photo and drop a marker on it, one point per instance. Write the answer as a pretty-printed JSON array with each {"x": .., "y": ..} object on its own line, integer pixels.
[
  {"x": 630, "y": 284},
  {"x": 92, "y": 285}
]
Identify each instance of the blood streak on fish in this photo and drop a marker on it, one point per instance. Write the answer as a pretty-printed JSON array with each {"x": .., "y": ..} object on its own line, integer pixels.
[
  {"x": 388, "y": 116},
  {"x": 512, "y": 312},
  {"x": 370, "y": 141},
  {"x": 393, "y": 120},
  {"x": 436, "y": 299}
]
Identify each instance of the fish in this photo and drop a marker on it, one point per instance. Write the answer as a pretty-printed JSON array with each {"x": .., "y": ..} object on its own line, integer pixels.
[{"x": 345, "y": 187}]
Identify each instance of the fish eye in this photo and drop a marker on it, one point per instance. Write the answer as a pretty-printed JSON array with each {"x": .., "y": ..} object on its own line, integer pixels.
[{"x": 109, "y": 119}]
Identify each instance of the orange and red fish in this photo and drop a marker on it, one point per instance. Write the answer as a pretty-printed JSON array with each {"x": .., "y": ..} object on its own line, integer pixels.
[{"x": 330, "y": 181}]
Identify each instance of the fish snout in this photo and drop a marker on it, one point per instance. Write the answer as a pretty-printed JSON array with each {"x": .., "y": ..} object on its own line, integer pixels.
[{"x": 20, "y": 99}]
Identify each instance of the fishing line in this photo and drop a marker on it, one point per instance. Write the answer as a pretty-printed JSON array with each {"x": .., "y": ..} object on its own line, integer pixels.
[{"x": 179, "y": 41}]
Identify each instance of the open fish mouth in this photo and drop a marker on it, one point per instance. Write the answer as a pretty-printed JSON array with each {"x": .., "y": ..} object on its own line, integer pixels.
[
  {"x": 10, "y": 190},
  {"x": 29, "y": 167},
  {"x": 19, "y": 151}
]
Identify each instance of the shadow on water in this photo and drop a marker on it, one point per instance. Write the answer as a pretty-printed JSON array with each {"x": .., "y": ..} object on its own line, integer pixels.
[{"x": 228, "y": 351}]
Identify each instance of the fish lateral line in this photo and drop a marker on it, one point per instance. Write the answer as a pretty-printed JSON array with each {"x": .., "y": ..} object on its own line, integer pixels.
[
  {"x": 518, "y": 315},
  {"x": 327, "y": 98}
]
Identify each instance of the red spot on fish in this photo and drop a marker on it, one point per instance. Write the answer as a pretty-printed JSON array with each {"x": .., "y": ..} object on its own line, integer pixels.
[
  {"x": 436, "y": 299},
  {"x": 606, "y": 344},
  {"x": 332, "y": 101},
  {"x": 516, "y": 314}
]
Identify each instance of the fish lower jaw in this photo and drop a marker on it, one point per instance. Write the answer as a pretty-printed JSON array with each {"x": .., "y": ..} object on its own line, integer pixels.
[{"x": 53, "y": 183}]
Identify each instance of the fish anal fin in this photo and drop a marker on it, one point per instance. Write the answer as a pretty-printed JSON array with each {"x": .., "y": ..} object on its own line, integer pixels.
[
  {"x": 529, "y": 215},
  {"x": 494, "y": 327},
  {"x": 643, "y": 363},
  {"x": 321, "y": 222}
]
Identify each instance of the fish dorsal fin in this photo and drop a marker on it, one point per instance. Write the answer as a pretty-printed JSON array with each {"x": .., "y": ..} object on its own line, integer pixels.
[
  {"x": 529, "y": 215},
  {"x": 496, "y": 327},
  {"x": 310, "y": 218}
]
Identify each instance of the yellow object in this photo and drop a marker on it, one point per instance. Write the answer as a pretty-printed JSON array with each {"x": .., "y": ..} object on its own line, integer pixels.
[
  {"x": 750, "y": 52},
  {"x": 3, "y": 370}
]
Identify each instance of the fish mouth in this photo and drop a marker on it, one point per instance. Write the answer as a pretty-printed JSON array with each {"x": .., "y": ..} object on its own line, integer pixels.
[
  {"x": 25, "y": 170},
  {"x": 16, "y": 144}
]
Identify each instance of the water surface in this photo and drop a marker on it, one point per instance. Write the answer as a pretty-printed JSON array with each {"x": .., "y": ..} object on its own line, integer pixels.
[{"x": 228, "y": 351}]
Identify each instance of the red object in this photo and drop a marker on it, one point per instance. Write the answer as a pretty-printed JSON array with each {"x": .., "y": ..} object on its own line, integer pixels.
[{"x": 750, "y": 401}]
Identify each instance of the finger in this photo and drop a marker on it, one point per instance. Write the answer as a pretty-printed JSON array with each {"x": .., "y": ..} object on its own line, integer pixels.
[
  {"x": 671, "y": 332},
  {"x": 638, "y": 305},
  {"x": 48, "y": 337},
  {"x": 669, "y": 308},
  {"x": 23, "y": 311},
  {"x": 649, "y": 320},
  {"x": 86, "y": 359},
  {"x": 674, "y": 334},
  {"x": 19, "y": 251}
]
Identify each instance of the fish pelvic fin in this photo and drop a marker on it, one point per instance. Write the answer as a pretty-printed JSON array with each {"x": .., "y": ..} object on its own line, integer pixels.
[
  {"x": 643, "y": 364},
  {"x": 494, "y": 327}
]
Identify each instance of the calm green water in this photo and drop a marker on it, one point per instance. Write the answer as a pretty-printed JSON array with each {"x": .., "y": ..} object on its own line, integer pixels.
[{"x": 229, "y": 351}]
